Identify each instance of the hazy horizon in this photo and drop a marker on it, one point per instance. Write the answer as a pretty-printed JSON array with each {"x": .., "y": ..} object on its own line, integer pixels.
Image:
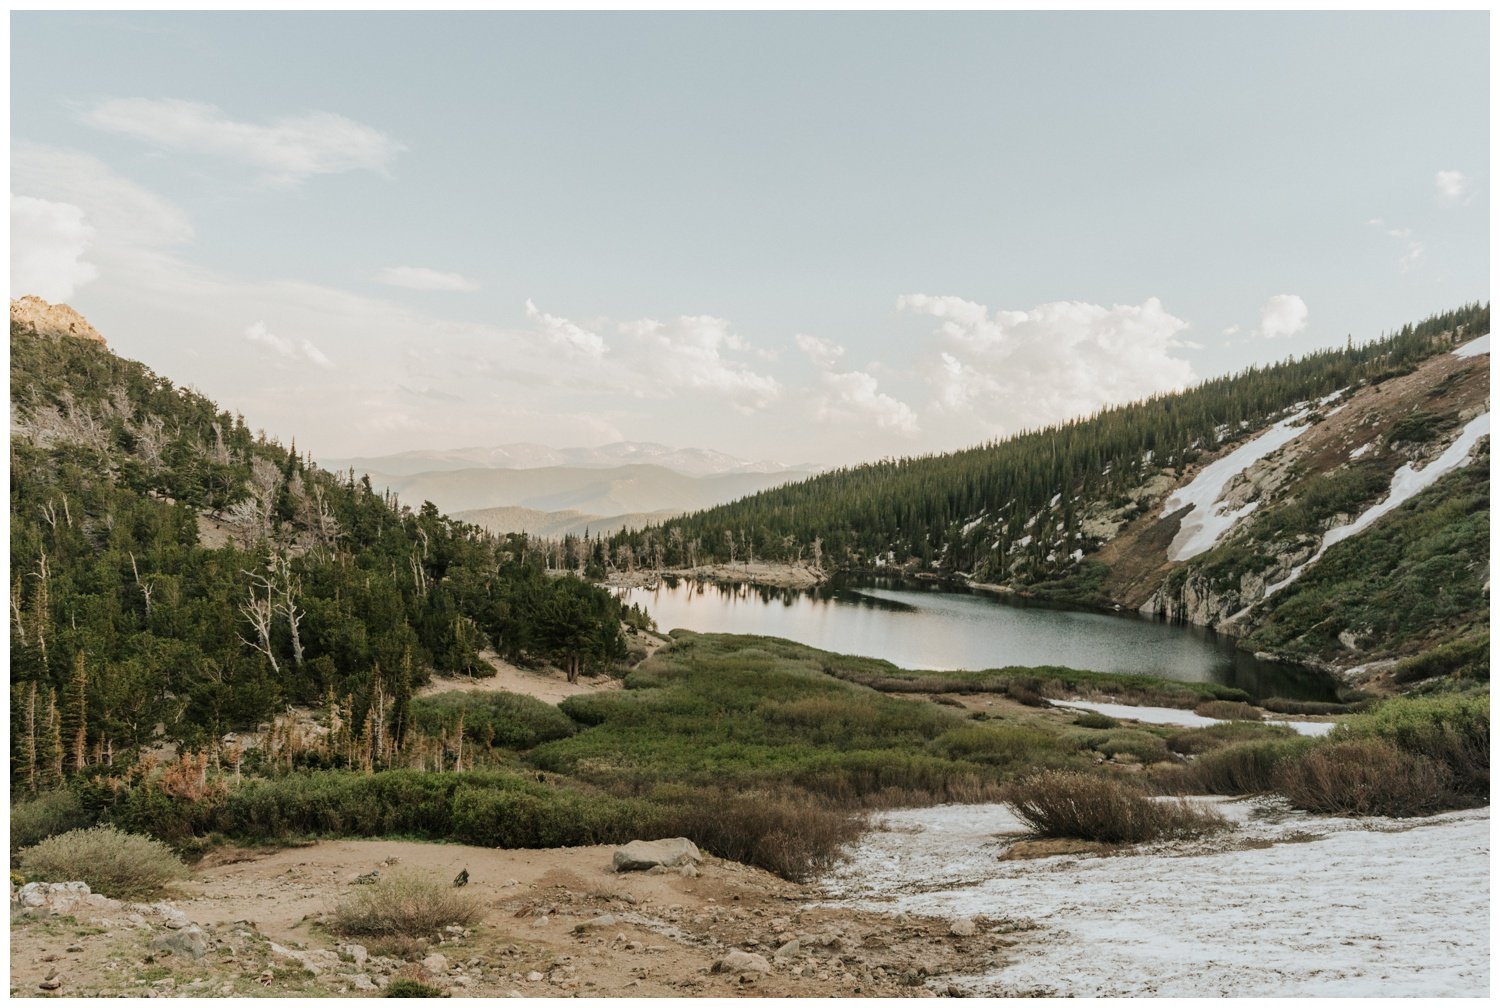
[{"x": 802, "y": 238}]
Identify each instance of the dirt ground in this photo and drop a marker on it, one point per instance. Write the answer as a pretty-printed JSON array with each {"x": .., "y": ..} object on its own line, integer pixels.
[{"x": 557, "y": 923}]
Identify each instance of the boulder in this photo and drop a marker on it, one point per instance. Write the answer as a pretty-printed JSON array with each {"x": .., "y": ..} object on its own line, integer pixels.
[
  {"x": 737, "y": 961},
  {"x": 436, "y": 964},
  {"x": 641, "y": 855},
  {"x": 962, "y": 927},
  {"x": 189, "y": 942}
]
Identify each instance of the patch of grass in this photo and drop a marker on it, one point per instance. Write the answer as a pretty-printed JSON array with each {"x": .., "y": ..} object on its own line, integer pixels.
[
  {"x": 1465, "y": 658},
  {"x": 1138, "y": 743},
  {"x": 1093, "y": 719},
  {"x": 49, "y": 813},
  {"x": 405, "y": 987},
  {"x": 1365, "y": 777},
  {"x": 1281, "y": 705},
  {"x": 506, "y": 720},
  {"x": 120, "y": 865},
  {"x": 999, "y": 744},
  {"x": 1227, "y": 710},
  {"x": 1091, "y": 807},
  {"x": 404, "y": 904},
  {"x": 1197, "y": 741}
]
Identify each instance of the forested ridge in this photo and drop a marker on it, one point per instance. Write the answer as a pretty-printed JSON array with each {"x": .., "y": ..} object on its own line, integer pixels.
[
  {"x": 1016, "y": 509},
  {"x": 176, "y": 577}
]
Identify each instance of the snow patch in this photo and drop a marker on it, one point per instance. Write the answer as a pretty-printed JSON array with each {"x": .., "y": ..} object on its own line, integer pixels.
[
  {"x": 1186, "y": 718},
  {"x": 1474, "y": 348},
  {"x": 1405, "y": 485},
  {"x": 1206, "y": 524},
  {"x": 1316, "y": 906},
  {"x": 1356, "y": 453}
]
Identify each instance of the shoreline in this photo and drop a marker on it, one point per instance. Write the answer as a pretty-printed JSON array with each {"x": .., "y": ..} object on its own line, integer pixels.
[{"x": 763, "y": 574}]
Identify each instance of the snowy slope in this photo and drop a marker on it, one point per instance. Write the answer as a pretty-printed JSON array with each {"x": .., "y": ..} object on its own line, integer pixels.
[{"x": 1287, "y": 905}]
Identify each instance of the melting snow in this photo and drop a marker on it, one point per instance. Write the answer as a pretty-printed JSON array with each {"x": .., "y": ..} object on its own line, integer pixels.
[
  {"x": 1206, "y": 524},
  {"x": 1356, "y": 453},
  {"x": 971, "y": 526},
  {"x": 1186, "y": 718},
  {"x": 1405, "y": 485},
  {"x": 1474, "y": 348},
  {"x": 1316, "y": 906}
]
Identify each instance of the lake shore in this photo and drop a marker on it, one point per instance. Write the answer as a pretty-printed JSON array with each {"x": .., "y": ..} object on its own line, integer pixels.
[{"x": 755, "y": 572}]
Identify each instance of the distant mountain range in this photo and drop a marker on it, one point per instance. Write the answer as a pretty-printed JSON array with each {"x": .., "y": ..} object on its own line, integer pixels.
[
  {"x": 524, "y": 455},
  {"x": 551, "y": 492}
]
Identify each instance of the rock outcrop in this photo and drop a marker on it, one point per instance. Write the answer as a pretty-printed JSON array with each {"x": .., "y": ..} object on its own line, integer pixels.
[
  {"x": 641, "y": 855},
  {"x": 33, "y": 315}
]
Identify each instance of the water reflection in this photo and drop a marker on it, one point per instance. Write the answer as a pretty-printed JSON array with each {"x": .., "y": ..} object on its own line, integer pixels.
[{"x": 922, "y": 626}]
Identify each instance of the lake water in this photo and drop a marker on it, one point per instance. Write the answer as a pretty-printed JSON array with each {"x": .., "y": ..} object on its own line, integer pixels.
[{"x": 916, "y": 626}]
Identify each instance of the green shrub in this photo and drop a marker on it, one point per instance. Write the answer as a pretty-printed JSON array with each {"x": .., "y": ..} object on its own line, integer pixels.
[
  {"x": 404, "y": 904},
  {"x": 120, "y": 865},
  {"x": 1452, "y": 730},
  {"x": 1093, "y": 719},
  {"x": 1091, "y": 807},
  {"x": 492, "y": 718},
  {"x": 406, "y": 987},
  {"x": 49, "y": 813},
  {"x": 1135, "y": 742},
  {"x": 1245, "y": 768},
  {"x": 1364, "y": 777},
  {"x": 1316, "y": 708}
]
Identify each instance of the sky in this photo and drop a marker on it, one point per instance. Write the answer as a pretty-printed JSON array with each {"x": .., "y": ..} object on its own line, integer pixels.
[{"x": 808, "y": 238}]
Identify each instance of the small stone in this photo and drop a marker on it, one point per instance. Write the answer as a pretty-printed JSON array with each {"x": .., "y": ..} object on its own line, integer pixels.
[
  {"x": 436, "y": 964},
  {"x": 534, "y": 977},
  {"x": 739, "y": 961},
  {"x": 74, "y": 948},
  {"x": 962, "y": 927},
  {"x": 789, "y": 949},
  {"x": 602, "y": 921}
]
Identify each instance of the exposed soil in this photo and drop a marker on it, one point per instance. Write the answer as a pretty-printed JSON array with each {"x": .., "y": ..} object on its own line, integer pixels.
[{"x": 664, "y": 932}]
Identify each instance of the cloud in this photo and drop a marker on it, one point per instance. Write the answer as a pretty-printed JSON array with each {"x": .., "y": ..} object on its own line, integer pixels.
[
  {"x": 692, "y": 353},
  {"x": 286, "y": 151},
  {"x": 1412, "y": 247},
  {"x": 1281, "y": 316},
  {"x": 821, "y": 352},
  {"x": 1010, "y": 370},
  {"x": 122, "y": 214},
  {"x": 47, "y": 245},
  {"x": 422, "y": 279},
  {"x": 260, "y": 335},
  {"x": 854, "y": 397},
  {"x": 565, "y": 334},
  {"x": 1453, "y": 187}
]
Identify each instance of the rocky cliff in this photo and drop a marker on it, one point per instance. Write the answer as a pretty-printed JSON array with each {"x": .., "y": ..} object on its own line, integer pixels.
[{"x": 33, "y": 315}]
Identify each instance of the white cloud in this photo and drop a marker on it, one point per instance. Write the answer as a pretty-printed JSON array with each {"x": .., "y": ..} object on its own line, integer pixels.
[
  {"x": 122, "y": 214},
  {"x": 286, "y": 151},
  {"x": 315, "y": 355},
  {"x": 422, "y": 279},
  {"x": 1010, "y": 370},
  {"x": 567, "y": 335},
  {"x": 1282, "y": 315},
  {"x": 1453, "y": 187},
  {"x": 824, "y": 353},
  {"x": 47, "y": 245},
  {"x": 691, "y": 353},
  {"x": 260, "y": 335},
  {"x": 854, "y": 397},
  {"x": 1412, "y": 246},
  {"x": 1410, "y": 257}
]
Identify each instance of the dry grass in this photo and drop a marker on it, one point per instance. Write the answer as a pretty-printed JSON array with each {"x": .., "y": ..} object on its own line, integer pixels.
[
  {"x": 120, "y": 865},
  {"x": 404, "y": 904},
  {"x": 1227, "y": 710},
  {"x": 1085, "y": 806},
  {"x": 1365, "y": 777},
  {"x": 789, "y": 834}
]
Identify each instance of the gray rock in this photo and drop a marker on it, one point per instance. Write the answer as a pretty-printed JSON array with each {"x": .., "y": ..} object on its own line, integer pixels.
[
  {"x": 788, "y": 950},
  {"x": 737, "y": 961},
  {"x": 640, "y": 855},
  {"x": 362, "y": 982},
  {"x": 188, "y": 941},
  {"x": 436, "y": 964},
  {"x": 962, "y": 927},
  {"x": 358, "y": 954},
  {"x": 602, "y": 921}
]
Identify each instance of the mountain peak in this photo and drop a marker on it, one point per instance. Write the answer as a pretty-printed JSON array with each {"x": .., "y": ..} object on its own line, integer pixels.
[{"x": 34, "y": 315}]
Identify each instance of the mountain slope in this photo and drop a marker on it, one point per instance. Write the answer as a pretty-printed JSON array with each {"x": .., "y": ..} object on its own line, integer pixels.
[
  {"x": 1190, "y": 506},
  {"x": 604, "y": 491}
]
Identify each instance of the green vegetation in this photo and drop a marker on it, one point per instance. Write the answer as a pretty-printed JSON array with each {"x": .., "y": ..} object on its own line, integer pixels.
[
  {"x": 405, "y": 904},
  {"x": 487, "y": 718},
  {"x": 49, "y": 813},
  {"x": 121, "y": 865},
  {"x": 1467, "y": 657},
  {"x": 1091, "y": 807},
  {"x": 1365, "y": 777},
  {"x": 175, "y": 573},
  {"x": 406, "y": 987}
]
